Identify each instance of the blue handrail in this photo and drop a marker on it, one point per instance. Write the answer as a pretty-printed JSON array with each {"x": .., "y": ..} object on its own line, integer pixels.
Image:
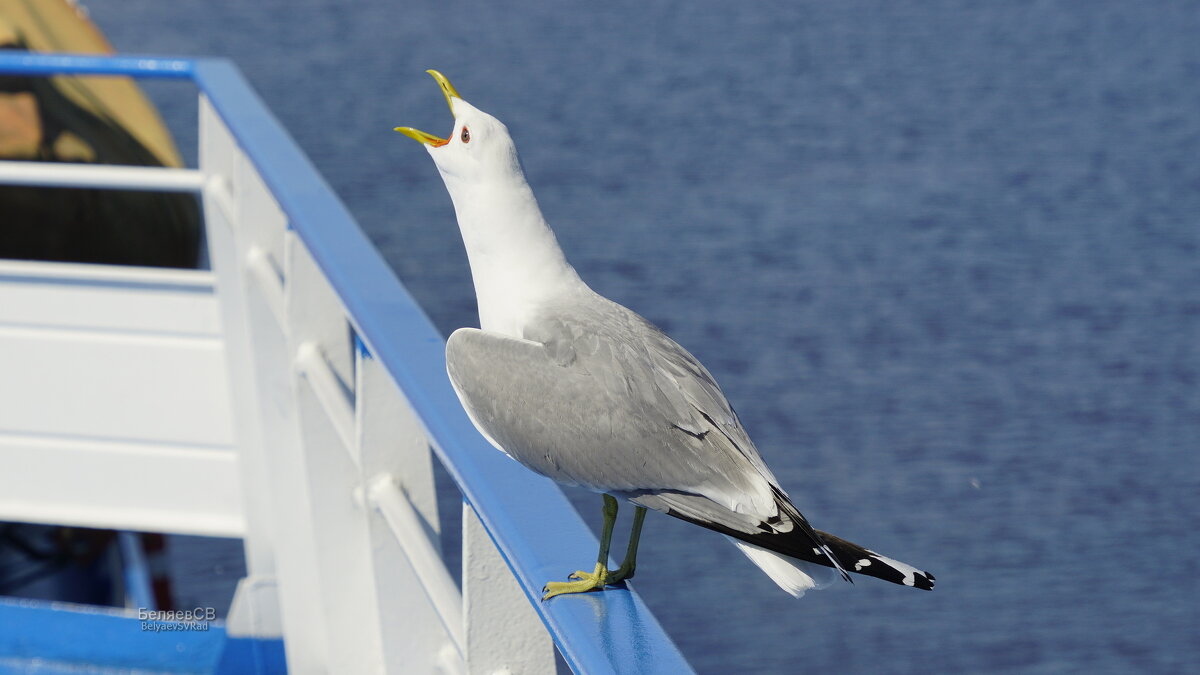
[{"x": 531, "y": 522}]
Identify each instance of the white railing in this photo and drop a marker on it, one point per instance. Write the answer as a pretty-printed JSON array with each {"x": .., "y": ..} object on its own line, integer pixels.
[{"x": 290, "y": 397}]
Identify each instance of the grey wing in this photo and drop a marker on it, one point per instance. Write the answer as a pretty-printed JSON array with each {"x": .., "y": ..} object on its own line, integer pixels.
[
  {"x": 588, "y": 407},
  {"x": 692, "y": 387}
]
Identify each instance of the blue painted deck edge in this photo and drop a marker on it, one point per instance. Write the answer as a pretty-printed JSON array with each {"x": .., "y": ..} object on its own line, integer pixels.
[
  {"x": 531, "y": 522},
  {"x": 35, "y": 635}
]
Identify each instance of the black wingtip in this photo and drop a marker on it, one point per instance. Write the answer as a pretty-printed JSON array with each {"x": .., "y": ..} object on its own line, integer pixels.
[
  {"x": 924, "y": 581},
  {"x": 865, "y": 561}
]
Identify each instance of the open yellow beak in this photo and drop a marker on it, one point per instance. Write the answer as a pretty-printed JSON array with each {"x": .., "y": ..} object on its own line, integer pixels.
[{"x": 451, "y": 93}]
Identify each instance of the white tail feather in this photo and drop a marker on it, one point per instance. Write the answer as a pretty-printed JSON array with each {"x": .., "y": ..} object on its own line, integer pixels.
[{"x": 791, "y": 574}]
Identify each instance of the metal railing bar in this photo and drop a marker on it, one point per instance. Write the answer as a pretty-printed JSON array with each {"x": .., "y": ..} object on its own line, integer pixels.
[
  {"x": 217, "y": 192},
  {"x": 136, "y": 571},
  {"x": 384, "y": 495},
  {"x": 33, "y": 63},
  {"x": 266, "y": 278},
  {"x": 108, "y": 276},
  {"x": 102, "y": 176},
  {"x": 311, "y": 363}
]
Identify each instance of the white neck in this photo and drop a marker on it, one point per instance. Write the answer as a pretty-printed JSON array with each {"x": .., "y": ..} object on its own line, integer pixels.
[{"x": 516, "y": 263}]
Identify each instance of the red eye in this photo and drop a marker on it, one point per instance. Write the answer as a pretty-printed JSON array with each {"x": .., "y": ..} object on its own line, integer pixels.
[{"x": 466, "y": 135}]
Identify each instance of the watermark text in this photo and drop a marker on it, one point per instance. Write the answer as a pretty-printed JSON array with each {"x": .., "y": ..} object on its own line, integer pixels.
[{"x": 165, "y": 620}]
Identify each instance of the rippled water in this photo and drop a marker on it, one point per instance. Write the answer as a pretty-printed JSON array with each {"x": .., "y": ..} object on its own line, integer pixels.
[{"x": 943, "y": 260}]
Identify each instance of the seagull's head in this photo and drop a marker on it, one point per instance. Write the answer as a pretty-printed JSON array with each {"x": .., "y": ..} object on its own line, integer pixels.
[{"x": 478, "y": 149}]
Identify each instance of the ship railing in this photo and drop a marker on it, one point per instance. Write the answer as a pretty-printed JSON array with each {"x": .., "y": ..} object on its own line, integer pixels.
[{"x": 294, "y": 396}]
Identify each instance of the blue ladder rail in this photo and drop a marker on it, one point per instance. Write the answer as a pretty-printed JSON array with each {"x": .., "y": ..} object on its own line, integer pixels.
[{"x": 531, "y": 522}]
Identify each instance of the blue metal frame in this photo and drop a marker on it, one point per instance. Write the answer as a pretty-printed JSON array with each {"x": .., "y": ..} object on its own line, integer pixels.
[
  {"x": 135, "y": 571},
  {"x": 59, "y": 637},
  {"x": 534, "y": 526}
]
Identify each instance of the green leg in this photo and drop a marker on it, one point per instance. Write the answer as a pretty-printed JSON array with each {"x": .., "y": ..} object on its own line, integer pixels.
[
  {"x": 586, "y": 581},
  {"x": 629, "y": 564}
]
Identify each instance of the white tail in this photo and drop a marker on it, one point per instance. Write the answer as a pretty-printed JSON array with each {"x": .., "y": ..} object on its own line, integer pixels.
[{"x": 791, "y": 574}]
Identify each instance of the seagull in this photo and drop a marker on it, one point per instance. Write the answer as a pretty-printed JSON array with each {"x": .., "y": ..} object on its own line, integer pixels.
[{"x": 584, "y": 391}]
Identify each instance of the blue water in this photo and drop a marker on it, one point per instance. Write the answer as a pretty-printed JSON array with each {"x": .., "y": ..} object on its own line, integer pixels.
[{"x": 943, "y": 258}]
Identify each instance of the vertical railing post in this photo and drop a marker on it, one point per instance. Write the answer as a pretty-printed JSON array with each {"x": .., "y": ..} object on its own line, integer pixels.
[
  {"x": 255, "y": 611},
  {"x": 394, "y": 455},
  {"x": 322, "y": 354},
  {"x": 504, "y": 634},
  {"x": 245, "y": 231}
]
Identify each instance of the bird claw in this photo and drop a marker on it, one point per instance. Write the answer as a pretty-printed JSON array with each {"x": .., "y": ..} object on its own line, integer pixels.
[{"x": 584, "y": 582}]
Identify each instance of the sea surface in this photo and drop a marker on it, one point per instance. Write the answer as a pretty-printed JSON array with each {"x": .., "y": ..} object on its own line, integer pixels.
[{"x": 943, "y": 257}]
